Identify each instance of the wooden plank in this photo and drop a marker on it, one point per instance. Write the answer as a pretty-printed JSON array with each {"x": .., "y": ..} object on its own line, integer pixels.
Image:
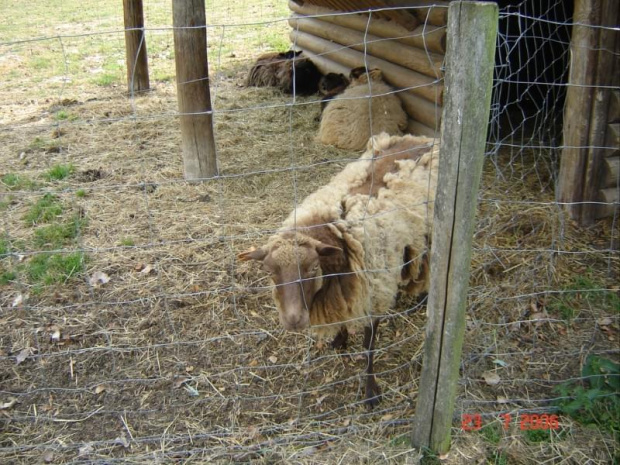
[
  {"x": 135, "y": 47},
  {"x": 324, "y": 64},
  {"x": 578, "y": 107},
  {"x": 424, "y": 37},
  {"x": 611, "y": 176},
  {"x": 395, "y": 75},
  {"x": 472, "y": 32},
  {"x": 612, "y": 138},
  {"x": 420, "y": 129},
  {"x": 614, "y": 107},
  {"x": 415, "y": 59},
  {"x": 600, "y": 109},
  {"x": 611, "y": 199},
  {"x": 421, "y": 109},
  {"x": 193, "y": 95}
]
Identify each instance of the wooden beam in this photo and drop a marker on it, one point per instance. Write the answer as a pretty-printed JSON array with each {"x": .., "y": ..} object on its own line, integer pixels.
[
  {"x": 193, "y": 95},
  {"x": 395, "y": 75},
  {"x": 413, "y": 58},
  {"x": 472, "y": 32},
  {"x": 424, "y": 37},
  {"x": 135, "y": 47}
]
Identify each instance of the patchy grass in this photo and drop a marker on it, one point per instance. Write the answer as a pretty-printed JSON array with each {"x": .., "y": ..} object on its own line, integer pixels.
[
  {"x": 59, "y": 172},
  {"x": 594, "y": 400},
  {"x": 56, "y": 236},
  {"x": 45, "y": 210},
  {"x": 13, "y": 181},
  {"x": 47, "y": 269}
]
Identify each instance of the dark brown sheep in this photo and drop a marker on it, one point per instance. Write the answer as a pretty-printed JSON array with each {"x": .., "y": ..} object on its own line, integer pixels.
[{"x": 289, "y": 71}]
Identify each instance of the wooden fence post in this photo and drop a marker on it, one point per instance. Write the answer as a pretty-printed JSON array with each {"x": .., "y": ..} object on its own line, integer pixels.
[
  {"x": 190, "y": 48},
  {"x": 470, "y": 58},
  {"x": 135, "y": 47}
]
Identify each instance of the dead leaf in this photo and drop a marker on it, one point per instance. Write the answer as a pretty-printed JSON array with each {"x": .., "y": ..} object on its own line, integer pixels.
[
  {"x": 55, "y": 333},
  {"x": 18, "y": 300},
  {"x": 253, "y": 363},
  {"x": 99, "y": 278},
  {"x": 101, "y": 388},
  {"x": 12, "y": 401},
  {"x": 346, "y": 422},
  {"x": 606, "y": 321},
  {"x": 48, "y": 456},
  {"x": 320, "y": 345},
  {"x": 23, "y": 355},
  {"x": 502, "y": 400},
  {"x": 320, "y": 400},
  {"x": 273, "y": 359},
  {"x": 86, "y": 449},
  {"x": 147, "y": 269},
  {"x": 387, "y": 417},
  {"x": 189, "y": 369},
  {"x": 180, "y": 381},
  {"x": 491, "y": 378}
]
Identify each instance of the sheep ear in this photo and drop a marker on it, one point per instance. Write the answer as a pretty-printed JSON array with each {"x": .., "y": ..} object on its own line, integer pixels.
[
  {"x": 252, "y": 254},
  {"x": 325, "y": 250}
]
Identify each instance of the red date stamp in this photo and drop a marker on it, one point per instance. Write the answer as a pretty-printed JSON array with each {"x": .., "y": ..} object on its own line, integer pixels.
[{"x": 526, "y": 421}]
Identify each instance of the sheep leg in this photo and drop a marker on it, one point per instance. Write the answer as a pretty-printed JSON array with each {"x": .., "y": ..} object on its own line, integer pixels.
[
  {"x": 340, "y": 341},
  {"x": 373, "y": 392}
]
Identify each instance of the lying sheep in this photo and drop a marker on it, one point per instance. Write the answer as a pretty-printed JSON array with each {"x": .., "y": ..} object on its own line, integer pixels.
[
  {"x": 331, "y": 85},
  {"x": 289, "y": 71},
  {"x": 351, "y": 118},
  {"x": 348, "y": 249}
]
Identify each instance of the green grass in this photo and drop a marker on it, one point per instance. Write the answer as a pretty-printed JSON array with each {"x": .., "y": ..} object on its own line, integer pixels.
[
  {"x": 106, "y": 79},
  {"x": 57, "y": 236},
  {"x": 50, "y": 269},
  {"x": 81, "y": 193},
  {"x": 7, "y": 276},
  {"x": 492, "y": 433},
  {"x": 64, "y": 115},
  {"x": 59, "y": 172},
  {"x": 4, "y": 246},
  {"x": 595, "y": 400},
  {"x": 15, "y": 182},
  {"x": 45, "y": 210},
  {"x": 127, "y": 242},
  {"x": 583, "y": 291}
]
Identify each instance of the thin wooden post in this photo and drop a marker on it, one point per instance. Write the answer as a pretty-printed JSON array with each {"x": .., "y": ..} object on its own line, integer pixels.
[
  {"x": 578, "y": 107},
  {"x": 472, "y": 31},
  {"x": 190, "y": 48},
  {"x": 135, "y": 47}
]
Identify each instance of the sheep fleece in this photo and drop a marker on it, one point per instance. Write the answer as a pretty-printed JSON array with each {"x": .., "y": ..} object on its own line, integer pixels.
[
  {"x": 375, "y": 229},
  {"x": 346, "y": 121}
]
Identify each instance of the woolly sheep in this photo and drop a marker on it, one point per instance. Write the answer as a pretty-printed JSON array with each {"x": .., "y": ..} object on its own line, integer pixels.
[
  {"x": 350, "y": 119},
  {"x": 348, "y": 249},
  {"x": 278, "y": 70}
]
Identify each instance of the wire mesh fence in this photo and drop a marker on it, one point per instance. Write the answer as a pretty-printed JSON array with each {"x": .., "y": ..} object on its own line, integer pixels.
[{"x": 131, "y": 332}]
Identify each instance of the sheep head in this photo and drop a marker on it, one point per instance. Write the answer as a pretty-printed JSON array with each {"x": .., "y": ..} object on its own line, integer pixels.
[{"x": 293, "y": 262}]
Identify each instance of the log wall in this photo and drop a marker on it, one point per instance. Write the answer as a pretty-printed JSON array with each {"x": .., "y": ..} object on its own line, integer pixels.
[{"x": 407, "y": 45}]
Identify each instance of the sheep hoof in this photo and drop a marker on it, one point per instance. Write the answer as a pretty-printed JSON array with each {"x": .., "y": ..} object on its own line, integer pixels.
[
  {"x": 373, "y": 393},
  {"x": 340, "y": 341}
]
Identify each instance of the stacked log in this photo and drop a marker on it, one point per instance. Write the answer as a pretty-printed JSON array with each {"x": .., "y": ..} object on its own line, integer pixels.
[{"x": 409, "y": 52}]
